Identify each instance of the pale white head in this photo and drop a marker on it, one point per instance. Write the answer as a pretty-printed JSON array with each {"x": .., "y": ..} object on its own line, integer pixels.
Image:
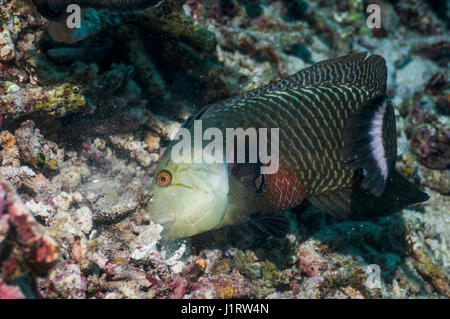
[{"x": 188, "y": 198}]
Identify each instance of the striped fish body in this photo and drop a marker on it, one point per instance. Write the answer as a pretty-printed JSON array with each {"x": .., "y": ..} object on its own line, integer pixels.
[
  {"x": 311, "y": 122},
  {"x": 336, "y": 147},
  {"x": 337, "y": 139}
]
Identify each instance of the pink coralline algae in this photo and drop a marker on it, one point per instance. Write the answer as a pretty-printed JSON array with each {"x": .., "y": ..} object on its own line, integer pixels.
[
  {"x": 429, "y": 137},
  {"x": 310, "y": 261},
  {"x": 33, "y": 251},
  {"x": 10, "y": 292},
  {"x": 85, "y": 124},
  {"x": 432, "y": 145},
  {"x": 223, "y": 286}
]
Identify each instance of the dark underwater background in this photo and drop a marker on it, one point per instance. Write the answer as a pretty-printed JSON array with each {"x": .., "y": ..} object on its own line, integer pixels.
[{"x": 83, "y": 125}]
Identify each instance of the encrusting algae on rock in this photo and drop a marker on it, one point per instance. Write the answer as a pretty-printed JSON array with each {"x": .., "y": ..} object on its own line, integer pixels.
[{"x": 86, "y": 121}]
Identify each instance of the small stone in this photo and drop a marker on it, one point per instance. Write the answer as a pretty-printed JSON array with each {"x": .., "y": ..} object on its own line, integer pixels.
[
  {"x": 146, "y": 241},
  {"x": 152, "y": 141},
  {"x": 84, "y": 219}
]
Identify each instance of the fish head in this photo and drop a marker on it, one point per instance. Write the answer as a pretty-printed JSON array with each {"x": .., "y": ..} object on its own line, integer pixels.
[{"x": 188, "y": 198}]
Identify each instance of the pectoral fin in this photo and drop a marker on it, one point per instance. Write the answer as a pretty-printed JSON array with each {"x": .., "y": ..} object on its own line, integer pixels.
[{"x": 274, "y": 225}]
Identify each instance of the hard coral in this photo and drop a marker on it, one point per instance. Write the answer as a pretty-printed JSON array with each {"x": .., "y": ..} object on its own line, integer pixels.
[
  {"x": 36, "y": 150},
  {"x": 100, "y": 112}
]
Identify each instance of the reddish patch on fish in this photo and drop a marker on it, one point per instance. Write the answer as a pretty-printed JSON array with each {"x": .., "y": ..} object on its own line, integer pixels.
[{"x": 284, "y": 188}]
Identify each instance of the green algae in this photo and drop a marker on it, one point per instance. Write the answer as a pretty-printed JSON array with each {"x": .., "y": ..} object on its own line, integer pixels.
[{"x": 62, "y": 99}]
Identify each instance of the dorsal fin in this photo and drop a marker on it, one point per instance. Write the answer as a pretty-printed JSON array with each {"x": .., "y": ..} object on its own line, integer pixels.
[
  {"x": 349, "y": 69},
  {"x": 345, "y": 69}
]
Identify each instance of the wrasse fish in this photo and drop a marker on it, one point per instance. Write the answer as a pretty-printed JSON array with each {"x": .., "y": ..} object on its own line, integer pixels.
[
  {"x": 337, "y": 149},
  {"x": 55, "y": 9},
  {"x": 56, "y": 12}
]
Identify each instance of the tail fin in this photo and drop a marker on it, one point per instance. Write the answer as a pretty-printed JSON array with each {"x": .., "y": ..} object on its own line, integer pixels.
[
  {"x": 359, "y": 204},
  {"x": 398, "y": 194}
]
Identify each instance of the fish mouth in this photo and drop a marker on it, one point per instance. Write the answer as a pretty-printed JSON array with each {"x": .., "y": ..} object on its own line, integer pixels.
[
  {"x": 162, "y": 219},
  {"x": 166, "y": 221},
  {"x": 169, "y": 231}
]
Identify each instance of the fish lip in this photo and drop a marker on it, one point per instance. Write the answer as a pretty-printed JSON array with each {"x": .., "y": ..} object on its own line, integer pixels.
[
  {"x": 167, "y": 228},
  {"x": 163, "y": 220},
  {"x": 174, "y": 232},
  {"x": 167, "y": 221},
  {"x": 166, "y": 231}
]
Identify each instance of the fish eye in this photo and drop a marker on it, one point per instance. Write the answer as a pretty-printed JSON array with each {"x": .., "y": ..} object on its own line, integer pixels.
[{"x": 164, "y": 178}]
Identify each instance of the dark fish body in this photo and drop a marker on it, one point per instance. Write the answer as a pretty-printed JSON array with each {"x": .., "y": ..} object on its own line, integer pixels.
[
  {"x": 55, "y": 9},
  {"x": 61, "y": 5},
  {"x": 337, "y": 138}
]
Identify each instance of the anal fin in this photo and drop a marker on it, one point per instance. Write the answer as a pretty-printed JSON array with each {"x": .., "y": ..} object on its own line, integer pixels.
[{"x": 336, "y": 203}]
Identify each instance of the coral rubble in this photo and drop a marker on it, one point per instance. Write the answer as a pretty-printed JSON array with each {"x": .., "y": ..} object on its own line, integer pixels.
[{"x": 83, "y": 124}]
